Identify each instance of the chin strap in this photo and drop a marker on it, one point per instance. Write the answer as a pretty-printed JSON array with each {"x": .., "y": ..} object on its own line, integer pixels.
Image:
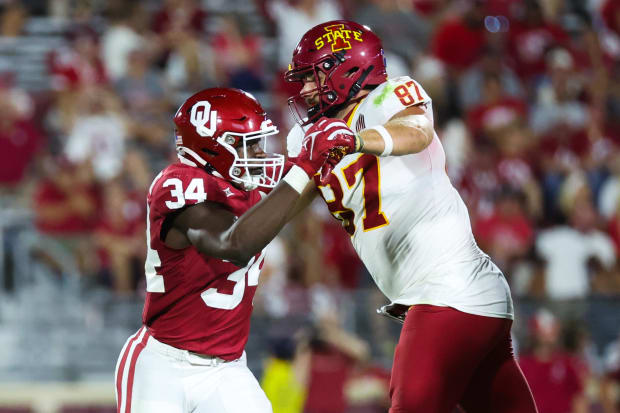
[{"x": 357, "y": 86}]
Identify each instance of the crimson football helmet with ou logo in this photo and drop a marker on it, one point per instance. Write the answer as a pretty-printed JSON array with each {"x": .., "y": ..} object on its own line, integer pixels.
[
  {"x": 213, "y": 123},
  {"x": 348, "y": 54}
]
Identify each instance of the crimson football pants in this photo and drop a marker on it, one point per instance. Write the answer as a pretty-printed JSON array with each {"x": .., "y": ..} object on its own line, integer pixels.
[{"x": 446, "y": 358}]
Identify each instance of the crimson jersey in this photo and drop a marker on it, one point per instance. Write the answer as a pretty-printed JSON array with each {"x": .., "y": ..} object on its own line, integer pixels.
[{"x": 195, "y": 302}]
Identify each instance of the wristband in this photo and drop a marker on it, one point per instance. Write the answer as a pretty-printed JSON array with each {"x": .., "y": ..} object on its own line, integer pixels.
[
  {"x": 359, "y": 142},
  {"x": 387, "y": 140},
  {"x": 297, "y": 178}
]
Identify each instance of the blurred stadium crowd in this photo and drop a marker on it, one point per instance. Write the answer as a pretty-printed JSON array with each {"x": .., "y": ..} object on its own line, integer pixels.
[{"x": 527, "y": 101}]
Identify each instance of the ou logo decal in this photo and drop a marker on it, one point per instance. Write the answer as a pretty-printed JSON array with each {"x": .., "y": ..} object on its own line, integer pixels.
[{"x": 201, "y": 115}]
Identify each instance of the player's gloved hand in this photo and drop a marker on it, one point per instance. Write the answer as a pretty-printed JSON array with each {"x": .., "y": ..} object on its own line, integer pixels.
[
  {"x": 335, "y": 127},
  {"x": 321, "y": 142}
]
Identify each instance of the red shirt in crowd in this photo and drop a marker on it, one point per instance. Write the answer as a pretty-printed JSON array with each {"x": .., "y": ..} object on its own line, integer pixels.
[
  {"x": 458, "y": 45},
  {"x": 168, "y": 19},
  {"x": 529, "y": 44},
  {"x": 72, "y": 223},
  {"x": 340, "y": 254},
  {"x": 554, "y": 383},
  {"x": 565, "y": 147},
  {"x": 329, "y": 371},
  {"x": 497, "y": 114},
  {"x": 70, "y": 70},
  {"x": 514, "y": 230},
  {"x": 20, "y": 144},
  {"x": 127, "y": 222}
]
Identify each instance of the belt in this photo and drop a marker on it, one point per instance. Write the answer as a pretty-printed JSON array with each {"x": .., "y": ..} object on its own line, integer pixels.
[{"x": 183, "y": 355}]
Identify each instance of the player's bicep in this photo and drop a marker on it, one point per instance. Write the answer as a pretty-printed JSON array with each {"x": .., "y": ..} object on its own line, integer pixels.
[
  {"x": 410, "y": 111},
  {"x": 201, "y": 224}
]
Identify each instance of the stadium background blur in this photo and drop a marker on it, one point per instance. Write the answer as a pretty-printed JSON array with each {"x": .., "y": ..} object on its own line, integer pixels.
[{"x": 527, "y": 104}]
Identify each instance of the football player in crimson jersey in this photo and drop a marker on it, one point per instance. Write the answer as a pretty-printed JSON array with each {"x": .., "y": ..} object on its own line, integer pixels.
[
  {"x": 409, "y": 226},
  {"x": 206, "y": 230}
]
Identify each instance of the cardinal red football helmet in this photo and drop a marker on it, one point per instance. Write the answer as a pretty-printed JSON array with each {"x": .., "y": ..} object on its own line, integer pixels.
[
  {"x": 213, "y": 123},
  {"x": 348, "y": 54}
]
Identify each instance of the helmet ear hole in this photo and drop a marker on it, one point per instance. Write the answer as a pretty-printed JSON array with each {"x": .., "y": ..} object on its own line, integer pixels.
[
  {"x": 209, "y": 152},
  {"x": 351, "y": 71}
]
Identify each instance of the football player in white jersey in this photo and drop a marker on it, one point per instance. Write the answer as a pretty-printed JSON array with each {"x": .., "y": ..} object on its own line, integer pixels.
[{"x": 408, "y": 224}]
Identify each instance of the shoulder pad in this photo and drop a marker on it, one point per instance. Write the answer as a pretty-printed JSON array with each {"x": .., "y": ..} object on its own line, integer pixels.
[
  {"x": 180, "y": 185},
  {"x": 397, "y": 94}
]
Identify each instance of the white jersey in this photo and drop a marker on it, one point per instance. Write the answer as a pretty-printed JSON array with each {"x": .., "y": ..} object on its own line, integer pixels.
[{"x": 407, "y": 222}]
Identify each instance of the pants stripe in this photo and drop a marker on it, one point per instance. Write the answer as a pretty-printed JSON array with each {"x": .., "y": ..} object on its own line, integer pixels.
[
  {"x": 132, "y": 368},
  {"x": 121, "y": 368}
]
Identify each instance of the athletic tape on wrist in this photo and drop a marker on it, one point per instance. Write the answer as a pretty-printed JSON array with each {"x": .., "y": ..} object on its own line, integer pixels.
[
  {"x": 387, "y": 140},
  {"x": 297, "y": 178},
  {"x": 359, "y": 142}
]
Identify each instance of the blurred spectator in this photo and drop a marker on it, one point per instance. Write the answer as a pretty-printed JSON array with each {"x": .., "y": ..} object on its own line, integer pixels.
[
  {"x": 609, "y": 31},
  {"x": 271, "y": 297},
  {"x": 507, "y": 233},
  {"x": 368, "y": 389},
  {"x": 610, "y": 12},
  {"x": 183, "y": 15},
  {"x": 393, "y": 23},
  {"x": 334, "y": 354},
  {"x": 286, "y": 375},
  {"x": 13, "y": 17},
  {"x": 98, "y": 134},
  {"x": 79, "y": 64},
  {"x": 496, "y": 109},
  {"x": 339, "y": 257},
  {"x": 67, "y": 204},
  {"x": 516, "y": 166},
  {"x": 183, "y": 53},
  {"x": 21, "y": 138},
  {"x": 553, "y": 374},
  {"x": 147, "y": 107},
  {"x": 558, "y": 108},
  {"x": 609, "y": 202},
  {"x": 531, "y": 35},
  {"x": 458, "y": 146},
  {"x": 492, "y": 64},
  {"x": 614, "y": 231},
  {"x": 609, "y": 195},
  {"x": 238, "y": 51},
  {"x": 507, "y": 163},
  {"x": 74, "y": 68},
  {"x": 459, "y": 41},
  {"x": 568, "y": 249},
  {"x": 124, "y": 35},
  {"x": 119, "y": 236},
  {"x": 610, "y": 386},
  {"x": 480, "y": 179},
  {"x": 293, "y": 18}
]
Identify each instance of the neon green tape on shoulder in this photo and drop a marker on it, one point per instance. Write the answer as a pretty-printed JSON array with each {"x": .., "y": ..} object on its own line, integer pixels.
[{"x": 384, "y": 94}]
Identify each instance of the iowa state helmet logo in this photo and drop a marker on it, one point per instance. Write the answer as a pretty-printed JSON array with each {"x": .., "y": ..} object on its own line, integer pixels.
[{"x": 338, "y": 37}]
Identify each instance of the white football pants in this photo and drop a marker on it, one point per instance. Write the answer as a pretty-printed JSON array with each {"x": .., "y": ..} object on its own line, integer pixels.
[{"x": 154, "y": 377}]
